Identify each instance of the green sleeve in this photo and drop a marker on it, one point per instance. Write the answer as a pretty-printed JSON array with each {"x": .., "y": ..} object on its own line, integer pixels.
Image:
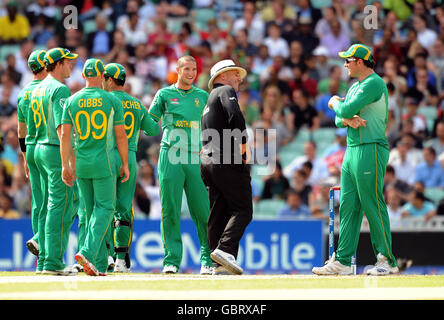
[
  {"x": 148, "y": 125},
  {"x": 338, "y": 122},
  {"x": 66, "y": 115},
  {"x": 20, "y": 116},
  {"x": 118, "y": 111},
  {"x": 156, "y": 109},
  {"x": 367, "y": 93},
  {"x": 58, "y": 101}
]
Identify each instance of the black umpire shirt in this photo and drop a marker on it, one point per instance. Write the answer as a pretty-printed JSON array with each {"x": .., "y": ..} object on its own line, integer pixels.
[{"x": 223, "y": 127}]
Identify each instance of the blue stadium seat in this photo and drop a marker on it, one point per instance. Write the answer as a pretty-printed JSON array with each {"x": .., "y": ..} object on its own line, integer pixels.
[{"x": 434, "y": 194}]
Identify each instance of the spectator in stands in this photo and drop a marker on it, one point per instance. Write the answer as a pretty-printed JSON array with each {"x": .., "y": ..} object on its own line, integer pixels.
[
  {"x": 358, "y": 17},
  {"x": 11, "y": 70},
  {"x": 276, "y": 185},
  {"x": 216, "y": 38},
  {"x": 6, "y": 107},
  {"x": 118, "y": 45},
  {"x": 302, "y": 80},
  {"x": 301, "y": 113},
  {"x": 406, "y": 128},
  {"x": 269, "y": 121},
  {"x": 426, "y": 37},
  {"x": 422, "y": 90},
  {"x": 249, "y": 21},
  {"x": 294, "y": 208},
  {"x": 420, "y": 62},
  {"x": 419, "y": 120},
  {"x": 437, "y": 143},
  {"x": 284, "y": 23},
  {"x": 243, "y": 46},
  {"x": 323, "y": 25},
  {"x": 336, "y": 39},
  {"x": 435, "y": 62},
  {"x": 296, "y": 57},
  {"x": 14, "y": 26},
  {"x": 176, "y": 8},
  {"x": 6, "y": 210},
  {"x": 335, "y": 74},
  {"x": 430, "y": 172},
  {"x": 323, "y": 64},
  {"x": 275, "y": 9},
  {"x": 391, "y": 74},
  {"x": 326, "y": 115},
  {"x": 299, "y": 183},
  {"x": 7, "y": 83},
  {"x": 394, "y": 207},
  {"x": 306, "y": 9},
  {"x": 404, "y": 158},
  {"x": 418, "y": 207},
  {"x": 262, "y": 61},
  {"x": 319, "y": 168},
  {"x": 277, "y": 46},
  {"x": 304, "y": 34},
  {"x": 99, "y": 42},
  {"x": 391, "y": 181},
  {"x": 386, "y": 48},
  {"x": 232, "y": 8}
]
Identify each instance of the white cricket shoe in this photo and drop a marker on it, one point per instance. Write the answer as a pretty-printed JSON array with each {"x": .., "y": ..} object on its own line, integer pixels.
[
  {"x": 120, "y": 266},
  {"x": 333, "y": 267},
  {"x": 227, "y": 260},
  {"x": 206, "y": 270},
  {"x": 170, "y": 269},
  {"x": 111, "y": 263},
  {"x": 382, "y": 267},
  {"x": 65, "y": 272}
]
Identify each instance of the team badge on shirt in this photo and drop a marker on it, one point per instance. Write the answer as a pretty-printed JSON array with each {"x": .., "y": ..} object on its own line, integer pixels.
[
  {"x": 174, "y": 101},
  {"x": 196, "y": 101}
]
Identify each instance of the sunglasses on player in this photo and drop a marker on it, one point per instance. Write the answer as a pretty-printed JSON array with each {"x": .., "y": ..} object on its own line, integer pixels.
[{"x": 348, "y": 60}]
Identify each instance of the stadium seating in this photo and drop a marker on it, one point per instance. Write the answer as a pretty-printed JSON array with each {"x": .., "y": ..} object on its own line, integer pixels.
[
  {"x": 430, "y": 113},
  {"x": 267, "y": 208},
  {"x": 434, "y": 194}
]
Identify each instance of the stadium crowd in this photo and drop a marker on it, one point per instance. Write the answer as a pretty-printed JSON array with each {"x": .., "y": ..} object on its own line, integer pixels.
[{"x": 289, "y": 49}]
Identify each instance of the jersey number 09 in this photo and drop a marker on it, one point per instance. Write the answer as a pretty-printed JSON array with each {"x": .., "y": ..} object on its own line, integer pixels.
[{"x": 91, "y": 121}]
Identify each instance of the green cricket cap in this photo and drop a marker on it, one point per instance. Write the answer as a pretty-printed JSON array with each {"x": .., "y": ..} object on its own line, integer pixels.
[
  {"x": 56, "y": 54},
  {"x": 93, "y": 67},
  {"x": 36, "y": 60},
  {"x": 359, "y": 51},
  {"x": 115, "y": 70}
]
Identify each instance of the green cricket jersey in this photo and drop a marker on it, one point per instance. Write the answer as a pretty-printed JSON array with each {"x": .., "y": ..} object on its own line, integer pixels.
[
  {"x": 369, "y": 100},
  {"x": 93, "y": 113},
  {"x": 181, "y": 113},
  {"x": 47, "y": 101},
  {"x": 25, "y": 113},
  {"x": 136, "y": 118}
]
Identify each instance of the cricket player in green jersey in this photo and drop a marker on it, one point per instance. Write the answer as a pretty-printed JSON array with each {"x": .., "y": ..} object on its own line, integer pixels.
[
  {"x": 136, "y": 118},
  {"x": 101, "y": 153},
  {"x": 59, "y": 201},
  {"x": 26, "y": 135},
  {"x": 180, "y": 108},
  {"x": 364, "y": 111}
]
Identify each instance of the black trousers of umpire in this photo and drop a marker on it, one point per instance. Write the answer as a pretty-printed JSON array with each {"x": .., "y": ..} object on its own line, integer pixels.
[{"x": 231, "y": 206}]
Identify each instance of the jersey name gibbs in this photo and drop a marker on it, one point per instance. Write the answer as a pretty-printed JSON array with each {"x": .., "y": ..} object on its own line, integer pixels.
[{"x": 93, "y": 113}]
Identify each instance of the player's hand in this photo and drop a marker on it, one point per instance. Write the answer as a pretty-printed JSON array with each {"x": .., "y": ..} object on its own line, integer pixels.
[
  {"x": 68, "y": 176},
  {"x": 334, "y": 99},
  {"x": 356, "y": 122},
  {"x": 124, "y": 172}
]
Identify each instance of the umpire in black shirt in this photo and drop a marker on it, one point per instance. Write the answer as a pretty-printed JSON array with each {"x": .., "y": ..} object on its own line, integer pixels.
[{"x": 224, "y": 167}]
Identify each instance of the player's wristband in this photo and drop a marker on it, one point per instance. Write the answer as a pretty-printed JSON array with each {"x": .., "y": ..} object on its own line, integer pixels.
[{"x": 22, "y": 144}]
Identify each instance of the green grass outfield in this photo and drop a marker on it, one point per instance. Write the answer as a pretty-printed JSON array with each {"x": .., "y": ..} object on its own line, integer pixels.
[{"x": 148, "y": 286}]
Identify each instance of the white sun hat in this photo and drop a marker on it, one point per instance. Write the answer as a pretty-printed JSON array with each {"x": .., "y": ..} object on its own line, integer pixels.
[{"x": 221, "y": 67}]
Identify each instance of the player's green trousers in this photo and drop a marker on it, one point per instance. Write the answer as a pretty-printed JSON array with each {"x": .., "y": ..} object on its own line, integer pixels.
[
  {"x": 99, "y": 198},
  {"x": 173, "y": 180},
  {"x": 60, "y": 204},
  {"x": 362, "y": 180},
  {"x": 124, "y": 216},
  {"x": 36, "y": 189}
]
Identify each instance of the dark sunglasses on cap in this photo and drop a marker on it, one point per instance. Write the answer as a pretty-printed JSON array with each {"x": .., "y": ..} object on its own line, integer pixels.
[{"x": 348, "y": 60}]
